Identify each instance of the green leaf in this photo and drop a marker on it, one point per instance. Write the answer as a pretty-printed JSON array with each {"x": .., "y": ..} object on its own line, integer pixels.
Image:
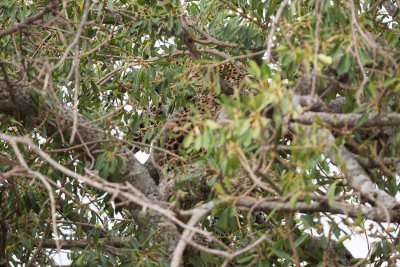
[
  {"x": 281, "y": 254},
  {"x": 146, "y": 81},
  {"x": 245, "y": 259},
  {"x": 301, "y": 240},
  {"x": 390, "y": 82},
  {"x": 350, "y": 101},
  {"x": 80, "y": 259},
  {"x": 324, "y": 242},
  {"x": 27, "y": 243},
  {"x": 218, "y": 187},
  {"x": 82, "y": 5},
  {"x": 343, "y": 238},
  {"x": 331, "y": 193},
  {"x": 363, "y": 118},
  {"x": 318, "y": 119},
  {"x": 255, "y": 69},
  {"x": 282, "y": 48},
  {"x": 324, "y": 59},
  {"x": 393, "y": 188},
  {"x": 212, "y": 124},
  {"x": 212, "y": 180},
  {"x": 370, "y": 90},
  {"x": 232, "y": 211},
  {"x": 162, "y": 62},
  {"x": 307, "y": 220},
  {"x": 344, "y": 65},
  {"x": 96, "y": 238},
  {"x": 293, "y": 201}
]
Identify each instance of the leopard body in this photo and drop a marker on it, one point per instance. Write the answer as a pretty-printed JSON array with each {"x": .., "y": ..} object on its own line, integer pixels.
[{"x": 205, "y": 105}]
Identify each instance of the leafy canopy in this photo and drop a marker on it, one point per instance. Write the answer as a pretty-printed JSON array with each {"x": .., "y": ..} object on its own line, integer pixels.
[{"x": 311, "y": 132}]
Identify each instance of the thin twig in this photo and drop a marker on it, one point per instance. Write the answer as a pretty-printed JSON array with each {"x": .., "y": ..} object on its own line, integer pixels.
[{"x": 272, "y": 31}]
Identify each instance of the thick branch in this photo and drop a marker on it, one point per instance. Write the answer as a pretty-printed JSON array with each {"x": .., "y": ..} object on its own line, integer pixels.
[
  {"x": 132, "y": 171},
  {"x": 350, "y": 120},
  {"x": 111, "y": 245},
  {"x": 355, "y": 174},
  {"x": 371, "y": 213},
  {"x": 188, "y": 233},
  {"x": 357, "y": 178},
  {"x": 22, "y": 98}
]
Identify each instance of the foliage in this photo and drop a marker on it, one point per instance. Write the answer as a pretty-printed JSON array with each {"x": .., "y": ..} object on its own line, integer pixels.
[{"x": 287, "y": 178}]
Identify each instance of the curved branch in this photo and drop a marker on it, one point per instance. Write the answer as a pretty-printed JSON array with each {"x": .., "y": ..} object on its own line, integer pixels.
[{"x": 188, "y": 233}]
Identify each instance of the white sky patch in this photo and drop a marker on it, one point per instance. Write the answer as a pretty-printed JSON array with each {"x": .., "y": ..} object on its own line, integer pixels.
[
  {"x": 128, "y": 108},
  {"x": 62, "y": 257},
  {"x": 142, "y": 156}
]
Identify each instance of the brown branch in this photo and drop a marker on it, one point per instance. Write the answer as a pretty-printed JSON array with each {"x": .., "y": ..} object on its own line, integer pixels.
[
  {"x": 132, "y": 171},
  {"x": 188, "y": 39},
  {"x": 373, "y": 163},
  {"x": 188, "y": 233},
  {"x": 350, "y": 120},
  {"x": 22, "y": 98},
  {"x": 272, "y": 30},
  {"x": 10, "y": 90},
  {"x": 356, "y": 177},
  {"x": 111, "y": 245},
  {"x": 77, "y": 35},
  {"x": 337, "y": 207},
  {"x": 40, "y": 244},
  {"x": 3, "y": 239}
]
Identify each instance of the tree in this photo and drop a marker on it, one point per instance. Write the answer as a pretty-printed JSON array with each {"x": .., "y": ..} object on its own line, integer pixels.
[{"x": 292, "y": 157}]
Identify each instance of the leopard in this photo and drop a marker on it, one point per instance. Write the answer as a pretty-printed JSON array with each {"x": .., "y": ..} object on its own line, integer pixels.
[{"x": 205, "y": 106}]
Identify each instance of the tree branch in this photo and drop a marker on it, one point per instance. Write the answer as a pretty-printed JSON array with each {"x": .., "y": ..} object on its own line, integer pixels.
[
  {"x": 355, "y": 174},
  {"x": 350, "y": 120},
  {"x": 112, "y": 245},
  {"x": 337, "y": 207}
]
